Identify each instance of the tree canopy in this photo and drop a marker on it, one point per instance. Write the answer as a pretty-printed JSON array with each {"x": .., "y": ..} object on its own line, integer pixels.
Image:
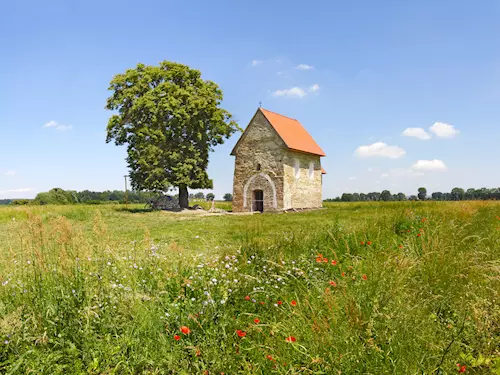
[{"x": 170, "y": 119}]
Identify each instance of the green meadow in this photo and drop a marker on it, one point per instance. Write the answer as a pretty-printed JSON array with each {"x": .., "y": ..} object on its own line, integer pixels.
[{"x": 353, "y": 288}]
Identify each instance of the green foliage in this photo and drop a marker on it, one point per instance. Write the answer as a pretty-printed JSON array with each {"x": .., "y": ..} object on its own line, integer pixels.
[
  {"x": 170, "y": 119},
  {"x": 199, "y": 195},
  {"x": 56, "y": 196},
  {"x": 210, "y": 197},
  {"x": 102, "y": 290},
  {"x": 228, "y": 197},
  {"x": 422, "y": 193}
]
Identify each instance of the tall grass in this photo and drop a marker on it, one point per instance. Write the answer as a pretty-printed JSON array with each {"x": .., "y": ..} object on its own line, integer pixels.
[{"x": 354, "y": 289}]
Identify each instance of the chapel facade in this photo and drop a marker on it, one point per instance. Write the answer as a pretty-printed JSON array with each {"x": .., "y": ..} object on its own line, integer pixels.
[{"x": 277, "y": 166}]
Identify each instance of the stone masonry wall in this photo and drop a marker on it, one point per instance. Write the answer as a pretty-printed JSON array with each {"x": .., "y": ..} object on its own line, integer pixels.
[
  {"x": 259, "y": 145},
  {"x": 304, "y": 191}
]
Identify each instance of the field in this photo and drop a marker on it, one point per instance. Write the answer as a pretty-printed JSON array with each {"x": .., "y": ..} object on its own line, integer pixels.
[{"x": 355, "y": 288}]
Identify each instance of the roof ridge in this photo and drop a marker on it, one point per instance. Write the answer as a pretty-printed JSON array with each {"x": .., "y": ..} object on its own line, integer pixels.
[{"x": 279, "y": 114}]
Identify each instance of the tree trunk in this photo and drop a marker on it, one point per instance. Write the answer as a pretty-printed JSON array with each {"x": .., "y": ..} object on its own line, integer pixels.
[{"x": 183, "y": 196}]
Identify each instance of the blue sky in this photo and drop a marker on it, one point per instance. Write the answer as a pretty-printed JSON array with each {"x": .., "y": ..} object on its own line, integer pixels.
[{"x": 356, "y": 74}]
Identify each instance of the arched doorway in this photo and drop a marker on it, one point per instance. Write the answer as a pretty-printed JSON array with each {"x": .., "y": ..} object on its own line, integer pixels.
[{"x": 258, "y": 200}]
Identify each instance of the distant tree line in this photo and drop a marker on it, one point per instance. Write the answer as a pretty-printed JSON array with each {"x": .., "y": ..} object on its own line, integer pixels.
[
  {"x": 456, "y": 194},
  {"x": 60, "y": 196}
]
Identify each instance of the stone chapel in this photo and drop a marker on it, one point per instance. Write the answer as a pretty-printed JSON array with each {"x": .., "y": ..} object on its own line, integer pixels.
[{"x": 277, "y": 166}]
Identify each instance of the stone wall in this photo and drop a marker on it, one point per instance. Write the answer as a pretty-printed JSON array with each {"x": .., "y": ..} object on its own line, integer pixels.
[
  {"x": 259, "y": 146},
  {"x": 302, "y": 189}
]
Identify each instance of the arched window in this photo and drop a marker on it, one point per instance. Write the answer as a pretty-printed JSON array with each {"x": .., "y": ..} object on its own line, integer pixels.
[
  {"x": 297, "y": 168},
  {"x": 311, "y": 170}
]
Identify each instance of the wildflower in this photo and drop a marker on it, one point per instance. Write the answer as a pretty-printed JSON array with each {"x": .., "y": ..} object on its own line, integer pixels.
[
  {"x": 332, "y": 283},
  {"x": 343, "y": 274},
  {"x": 185, "y": 330},
  {"x": 325, "y": 260},
  {"x": 280, "y": 303},
  {"x": 400, "y": 246},
  {"x": 362, "y": 242},
  {"x": 334, "y": 262},
  {"x": 270, "y": 357},
  {"x": 256, "y": 321},
  {"x": 369, "y": 243},
  {"x": 364, "y": 277},
  {"x": 461, "y": 369},
  {"x": 290, "y": 339},
  {"x": 241, "y": 333},
  {"x": 293, "y": 303},
  {"x": 247, "y": 298},
  {"x": 419, "y": 234},
  {"x": 262, "y": 302},
  {"x": 177, "y": 337}
]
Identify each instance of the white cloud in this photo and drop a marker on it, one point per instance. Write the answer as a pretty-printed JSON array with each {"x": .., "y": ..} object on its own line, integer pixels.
[
  {"x": 379, "y": 149},
  {"x": 304, "y": 67},
  {"x": 443, "y": 130},
  {"x": 429, "y": 165},
  {"x": 417, "y": 133},
  {"x": 294, "y": 92},
  {"x": 314, "y": 88},
  {"x": 384, "y": 175},
  {"x": 352, "y": 178},
  {"x": 50, "y": 124},
  {"x": 20, "y": 190},
  {"x": 256, "y": 62},
  {"x": 10, "y": 173},
  {"x": 57, "y": 126}
]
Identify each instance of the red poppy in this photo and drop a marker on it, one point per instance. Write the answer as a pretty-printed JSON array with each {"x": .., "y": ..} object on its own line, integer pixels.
[
  {"x": 343, "y": 274},
  {"x": 256, "y": 321},
  {"x": 293, "y": 303},
  {"x": 262, "y": 302},
  {"x": 461, "y": 369},
  {"x": 423, "y": 220},
  {"x": 241, "y": 333},
  {"x": 290, "y": 339},
  {"x": 364, "y": 277},
  {"x": 270, "y": 357},
  {"x": 177, "y": 337},
  {"x": 280, "y": 303},
  {"x": 185, "y": 330},
  {"x": 247, "y": 298},
  {"x": 369, "y": 243},
  {"x": 334, "y": 262},
  {"x": 418, "y": 234},
  {"x": 332, "y": 283},
  {"x": 325, "y": 260},
  {"x": 400, "y": 246},
  {"x": 362, "y": 242},
  {"x": 319, "y": 260}
]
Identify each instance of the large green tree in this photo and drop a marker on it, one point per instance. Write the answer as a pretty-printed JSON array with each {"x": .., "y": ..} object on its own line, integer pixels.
[{"x": 170, "y": 119}]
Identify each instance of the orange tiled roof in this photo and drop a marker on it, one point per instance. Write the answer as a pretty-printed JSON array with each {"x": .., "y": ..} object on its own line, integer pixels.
[
  {"x": 323, "y": 171},
  {"x": 293, "y": 133}
]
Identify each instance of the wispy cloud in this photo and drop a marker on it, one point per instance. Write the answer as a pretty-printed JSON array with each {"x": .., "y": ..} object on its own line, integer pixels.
[
  {"x": 380, "y": 149},
  {"x": 314, "y": 88},
  {"x": 352, "y": 178},
  {"x": 443, "y": 130},
  {"x": 257, "y": 62},
  {"x": 294, "y": 92},
  {"x": 416, "y": 133},
  {"x": 53, "y": 124},
  {"x": 10, "y": 173},
  {"x": 429, "y": 165},
  {"x": 304, "y": 67},
  {"x": 13, "y": 191}
]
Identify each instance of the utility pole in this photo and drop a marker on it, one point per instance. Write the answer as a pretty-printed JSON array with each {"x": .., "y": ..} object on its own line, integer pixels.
[{"x": 126, "y": 194}]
